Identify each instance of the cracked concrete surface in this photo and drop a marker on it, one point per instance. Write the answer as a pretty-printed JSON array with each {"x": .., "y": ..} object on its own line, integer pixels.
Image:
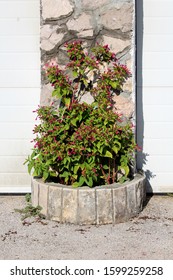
[{"x": 148, "y": 236}]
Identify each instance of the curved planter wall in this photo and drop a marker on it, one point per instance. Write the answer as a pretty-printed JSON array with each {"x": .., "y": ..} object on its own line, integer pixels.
[{"x": 107, "y": 204}]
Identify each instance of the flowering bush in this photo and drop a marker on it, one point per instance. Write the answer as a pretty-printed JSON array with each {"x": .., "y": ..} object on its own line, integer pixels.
[{"x": 78, "y": 143}]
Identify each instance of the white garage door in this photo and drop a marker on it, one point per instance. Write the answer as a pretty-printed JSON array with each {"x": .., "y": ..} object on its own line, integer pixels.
[
  {"x": 155, "y": 92},
  {"x": 19, "y": 89}
]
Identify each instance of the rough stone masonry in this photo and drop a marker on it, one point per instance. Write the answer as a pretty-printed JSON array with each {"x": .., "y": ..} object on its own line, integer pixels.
[{"x": 109, "y": 22}]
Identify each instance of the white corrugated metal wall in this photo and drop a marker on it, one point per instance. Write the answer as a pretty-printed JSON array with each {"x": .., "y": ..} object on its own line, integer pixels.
[
  {"x": 155, "y": 92},
  {"x": 19, "y": 89}
]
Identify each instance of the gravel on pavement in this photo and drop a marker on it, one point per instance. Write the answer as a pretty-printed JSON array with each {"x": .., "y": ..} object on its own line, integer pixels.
[{"x": 147, "y": 236}]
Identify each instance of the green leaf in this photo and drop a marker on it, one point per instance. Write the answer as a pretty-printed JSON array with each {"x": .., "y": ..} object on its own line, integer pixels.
[
  {"x": 66, "y": 127},
  {"x": 76, "y": 167},
  {"x": 73, "y": 121},
  {"x": 100, "y": 149},
  {"x": 65, "y": 161},
  {"x": 91, "y": 159},
  {"x": 122, "y": 179},
  {"x": 106, "y": 167},
  {"x": 126, "y": 169},
  {"x": 29, "y": 168},
  {"x": 45, "y": 175},
  {"x": 89, "y": 181},
  {"x": 57, "y": 92},
  {"x": 117, "y": 143},
  {"x": 65, "y": 91},
  {"x": 53, "y": 174},
  {"x": 28, "y": 197},
  {"x": 81, "y": 181},
  {"x": 108, "y": 154},
  {"x": 113, "y": 84},
  {"x": 115, "y": 149},
  {"x": 65, "y": 174},
  {"x": 80, "y": 117},
  {"x": 27, "y": 160},
  {"x": 75, "y": 74},
  {"x": 66, "y": 180},
  {"x": 98, "y": 145},
  {"x": 67, "y": 101},
  {"x": 35, "y": 174},
  {"x": 76, "y": 184}
]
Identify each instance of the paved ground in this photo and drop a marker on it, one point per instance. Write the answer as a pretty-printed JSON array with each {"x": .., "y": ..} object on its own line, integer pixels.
[{"x": 148, "y": 236}]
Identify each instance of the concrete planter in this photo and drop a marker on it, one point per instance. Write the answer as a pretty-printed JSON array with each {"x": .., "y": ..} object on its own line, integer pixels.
[{"x": 109, "y": 204}]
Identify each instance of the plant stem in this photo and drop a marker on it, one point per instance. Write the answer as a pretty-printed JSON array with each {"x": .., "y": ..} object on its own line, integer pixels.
[
  {"x": 104, "y": 175},
  {"x": 114, "y": 173}
]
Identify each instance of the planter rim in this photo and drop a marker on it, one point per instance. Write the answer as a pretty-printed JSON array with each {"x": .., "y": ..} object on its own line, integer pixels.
[
  {"x": 137, "y": 177},
  {"x": 107, "y": 204}
]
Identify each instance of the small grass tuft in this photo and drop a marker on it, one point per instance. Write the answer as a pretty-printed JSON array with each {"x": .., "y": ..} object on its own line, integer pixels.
[{"x": 30, "y": 211}]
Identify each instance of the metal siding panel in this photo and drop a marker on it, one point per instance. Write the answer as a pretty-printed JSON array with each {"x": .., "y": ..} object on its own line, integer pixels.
[
  {"x": 153, "y": 146},
  {"x": 20, "y": 27},
  {"x": 17, "y": 147},
  {"x": 155, "y": 92},
  {"x": 161, "y": 8},
  {"x": 158, "y": 130},
  {"x": 18, "y": 131},
  {"x": 20, "y": 61},
  {"x": 157, "y": 60},
  {"x": 12, "y": 164},
  {"x": 21, "y": 43},
  {"x": 156, "y": 78},
  {"x": 158, "y": 113},
  {"x": 17, "y": 114},
  {"x": 157, "y": 95},
  {"x": 158, "y": 42},
  {"x": 19, "y": 9},
  {"x": 20, "y": 78},
  {"x": 19, "y": 89},
  {"x": 160, "y": 25},
  {"x": 20, "y": 97}
]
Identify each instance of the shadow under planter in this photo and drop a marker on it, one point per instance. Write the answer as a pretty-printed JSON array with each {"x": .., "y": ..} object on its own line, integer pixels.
[{"x": 108, "y": 204}]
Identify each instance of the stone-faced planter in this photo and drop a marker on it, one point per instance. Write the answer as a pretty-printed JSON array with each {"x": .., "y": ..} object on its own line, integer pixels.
[{"x": 109, "y": 204}]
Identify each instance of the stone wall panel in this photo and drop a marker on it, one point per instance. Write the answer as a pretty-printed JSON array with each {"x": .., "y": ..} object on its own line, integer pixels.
[
  {"x": 56, "y": 9},
  {"x": 118, "y": 18},
  {"x": 94, "y": 4},
  {"x": 116, "y": 45},
  {"x": 105, "y": 21},
  {"x": 83, "y": 22}
]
